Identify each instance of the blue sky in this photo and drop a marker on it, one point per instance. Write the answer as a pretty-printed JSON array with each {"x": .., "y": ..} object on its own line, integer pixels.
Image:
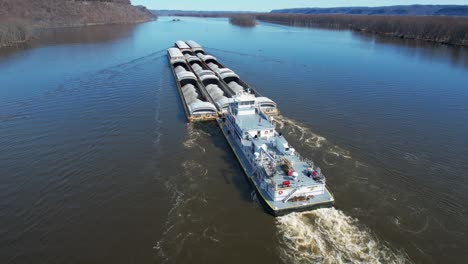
[{"x": 267, "y": 5}]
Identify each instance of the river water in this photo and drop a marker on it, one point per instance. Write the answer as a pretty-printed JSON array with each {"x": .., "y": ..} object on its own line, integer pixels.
[{"x": 97, "y": 163}]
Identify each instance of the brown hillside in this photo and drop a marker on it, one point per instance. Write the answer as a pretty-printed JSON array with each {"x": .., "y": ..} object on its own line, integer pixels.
[
  {"x": 18, "y": 18},
  {"x": 59, "y": 13}
]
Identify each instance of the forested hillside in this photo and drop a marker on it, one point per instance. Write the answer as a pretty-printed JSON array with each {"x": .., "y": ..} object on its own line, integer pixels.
[
  {"x": 448, "y": 30},
  {"x": 20, "y": 17},
  {"x": 406, "y": 10}
]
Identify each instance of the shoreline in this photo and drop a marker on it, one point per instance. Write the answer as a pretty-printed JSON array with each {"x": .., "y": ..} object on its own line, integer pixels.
[
  {"x": 33, "y": 34},
  {"x": 442, "y": 30},
  {"x": 421, "y": 28},
  {"x": 377, "y": 34}
]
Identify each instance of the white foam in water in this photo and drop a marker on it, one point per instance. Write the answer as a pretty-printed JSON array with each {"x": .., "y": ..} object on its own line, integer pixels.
[
  {"x": 330, "y": 236},
  {"x": 173, "y": 238},
  {"x": 309, "y": 138},
  {"x": 305, "y": 134},
  {"x": 193, "y": 135},
  {"x": 157, "y": 115},
  {"x": 177, "y": 201},
  {"x": 339, "y": 152}
]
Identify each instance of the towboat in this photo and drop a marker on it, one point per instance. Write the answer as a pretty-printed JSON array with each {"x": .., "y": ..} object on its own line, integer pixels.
[{"x": 283, "y": 180}]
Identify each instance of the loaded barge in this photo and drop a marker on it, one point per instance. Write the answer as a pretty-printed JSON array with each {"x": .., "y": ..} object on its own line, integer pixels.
[
  {"x": 284, "y": 181},
  {"x": 234, "y": 84},
  {"x": 215, "y": 89},
  {"x": 195, "y": 101}
]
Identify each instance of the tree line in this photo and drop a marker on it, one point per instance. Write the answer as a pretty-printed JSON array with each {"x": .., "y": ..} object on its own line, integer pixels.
[
  {"x": 442, "y": 29},
  {"x": 243, "y": 20}
]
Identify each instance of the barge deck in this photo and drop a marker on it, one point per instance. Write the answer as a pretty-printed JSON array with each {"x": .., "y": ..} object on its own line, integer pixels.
[
  {"x": 229, "y": 81},
  {"x": 195, "y": 101}
]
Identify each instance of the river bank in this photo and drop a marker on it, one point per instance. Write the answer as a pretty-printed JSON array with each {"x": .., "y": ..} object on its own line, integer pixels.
[
  {"x": 452, "y": 30},
  {"x": 440, "y": 29},
  {"x": 21, "y": 18}
]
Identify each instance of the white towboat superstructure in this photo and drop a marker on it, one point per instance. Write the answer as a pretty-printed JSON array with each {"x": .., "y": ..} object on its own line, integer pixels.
[{"x": 284, "y": 181}]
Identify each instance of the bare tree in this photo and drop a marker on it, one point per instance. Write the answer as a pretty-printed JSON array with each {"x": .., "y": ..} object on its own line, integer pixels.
[
  {"x": 13, "y": 31},
  {"x": 243, "y": 20}
]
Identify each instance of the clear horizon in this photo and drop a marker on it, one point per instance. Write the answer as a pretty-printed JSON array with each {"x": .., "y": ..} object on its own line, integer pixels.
[{"x": 264, "y": 5}]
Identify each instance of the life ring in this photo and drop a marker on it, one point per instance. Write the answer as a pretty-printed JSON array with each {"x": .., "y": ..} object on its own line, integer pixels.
[{"x": 280, "y": 192}]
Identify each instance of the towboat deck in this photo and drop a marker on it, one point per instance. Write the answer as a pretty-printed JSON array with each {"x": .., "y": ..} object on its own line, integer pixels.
[
  {"x": 277, "y": 208},
  {"x": 258, "y": 122},
  {"x": 251, "y": 122}
]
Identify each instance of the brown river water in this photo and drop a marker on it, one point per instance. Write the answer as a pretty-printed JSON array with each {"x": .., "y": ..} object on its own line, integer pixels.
[{"x": 98, "y": 165}]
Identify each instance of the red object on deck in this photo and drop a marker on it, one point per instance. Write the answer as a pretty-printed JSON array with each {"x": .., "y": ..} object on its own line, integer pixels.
[
  {"x": 290, "y": 172},
  {"x": 286, "y": 183}
]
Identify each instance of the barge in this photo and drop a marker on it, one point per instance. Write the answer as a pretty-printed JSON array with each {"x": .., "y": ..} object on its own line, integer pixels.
[
  {"x": 283, "y": 180},
  {"x": 235, "y": 84},
  {"x": 229, "y": 81},
  {"x": 196, "y": 104},
  {"x": 183, "y": 47},
  {"x": 211, "y": 83},
  {"x": 195, "y": 47}
]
